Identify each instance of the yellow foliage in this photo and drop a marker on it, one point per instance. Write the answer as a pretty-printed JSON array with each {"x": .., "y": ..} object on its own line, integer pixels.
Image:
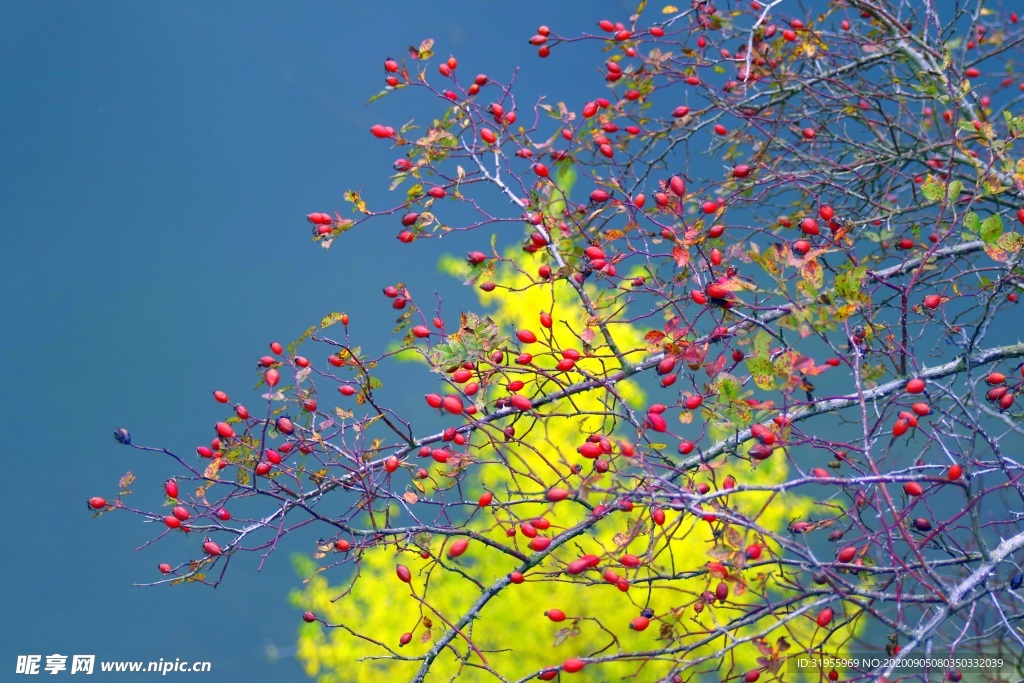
[{"x": 511, "y": 631}]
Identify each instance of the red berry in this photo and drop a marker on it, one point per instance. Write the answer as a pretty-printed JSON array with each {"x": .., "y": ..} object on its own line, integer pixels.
[
  {"x": 846, "y": 554},
  {"x": 912, "y": 488},
  {"x": 915, "y": 386},
  {"x": 640, "y": 623},
  {"x": 526, "y": 336},
  {"x": 453, "y": 404},
  {"x": 555, "y": 615},
  {"x": 458, "y": 547},
  {"x": 211, "y": 548},
  {"x": 171, "y": 488},
  {"x": 96, "y": 503},
  {"x": 540, "y": 543},
  {"x": 676, "y": 184},
  {"x": 716, "y": 291},
  {"x": 403, "y": 573},
  {"x": 224, "y": 430},
  {"x": 573, "y": 665},
  {"x": 824, "y": 617},
  {"x": 557, "y": 494},
  {"x": 955, "y": 472},
  {"x": 657, "y": 422},
  {"x": 810, "y": 226}
]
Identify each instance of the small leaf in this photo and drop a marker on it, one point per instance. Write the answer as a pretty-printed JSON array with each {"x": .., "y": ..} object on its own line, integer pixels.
[
  {"x": 972, "y": 222},
  {"x": 849, "y": 283},
  {"x": 812, "y": 273},
  {"x": 328, "y": 320},
  {"x": 955, "y": 188},
  {"x": 561, "y": 635},
  {"x": 379, "y": 95},
  {"x": 410, "y": 497},
  {"x": 357, "y": 201},
  {"x": 932, "y": 189}
]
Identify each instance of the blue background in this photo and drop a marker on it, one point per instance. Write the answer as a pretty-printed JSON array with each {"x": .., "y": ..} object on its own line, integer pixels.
[{"x": 158, "y": 162}]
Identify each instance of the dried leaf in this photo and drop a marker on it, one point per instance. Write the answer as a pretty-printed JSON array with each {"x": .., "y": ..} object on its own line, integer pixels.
[
  {"x": 410, "y": 497},
  {"x": 212, "y": 470}
]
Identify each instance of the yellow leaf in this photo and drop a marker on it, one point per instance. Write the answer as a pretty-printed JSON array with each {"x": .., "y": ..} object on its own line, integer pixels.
[
  {"x": 669, "y": 9},
  {"x": 330, "y": 319},
  {"x": 212, "y": 470}
]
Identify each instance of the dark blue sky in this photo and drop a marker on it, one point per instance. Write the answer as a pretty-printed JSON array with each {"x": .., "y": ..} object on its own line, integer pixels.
[{"x": 158, "y": 159}]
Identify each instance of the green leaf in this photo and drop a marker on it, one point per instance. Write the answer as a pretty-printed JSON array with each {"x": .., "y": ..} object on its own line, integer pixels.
[
  {"x": 972, "y": 222},
  {"x": 760, "y": 368},
  {"x": 849, "y": 282},
  {"x": 762, "y": 342},
  {"x": 726, "y": 386},
  {"x": 955, "y": 188},
  {"x": 932, "y": 189},
  {"x": 991, "y": 228},
  {"x": 379, "y": 95}
]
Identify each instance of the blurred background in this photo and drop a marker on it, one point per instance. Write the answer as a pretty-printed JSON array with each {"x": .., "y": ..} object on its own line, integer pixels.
[{"x": 158, "y": 162}]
